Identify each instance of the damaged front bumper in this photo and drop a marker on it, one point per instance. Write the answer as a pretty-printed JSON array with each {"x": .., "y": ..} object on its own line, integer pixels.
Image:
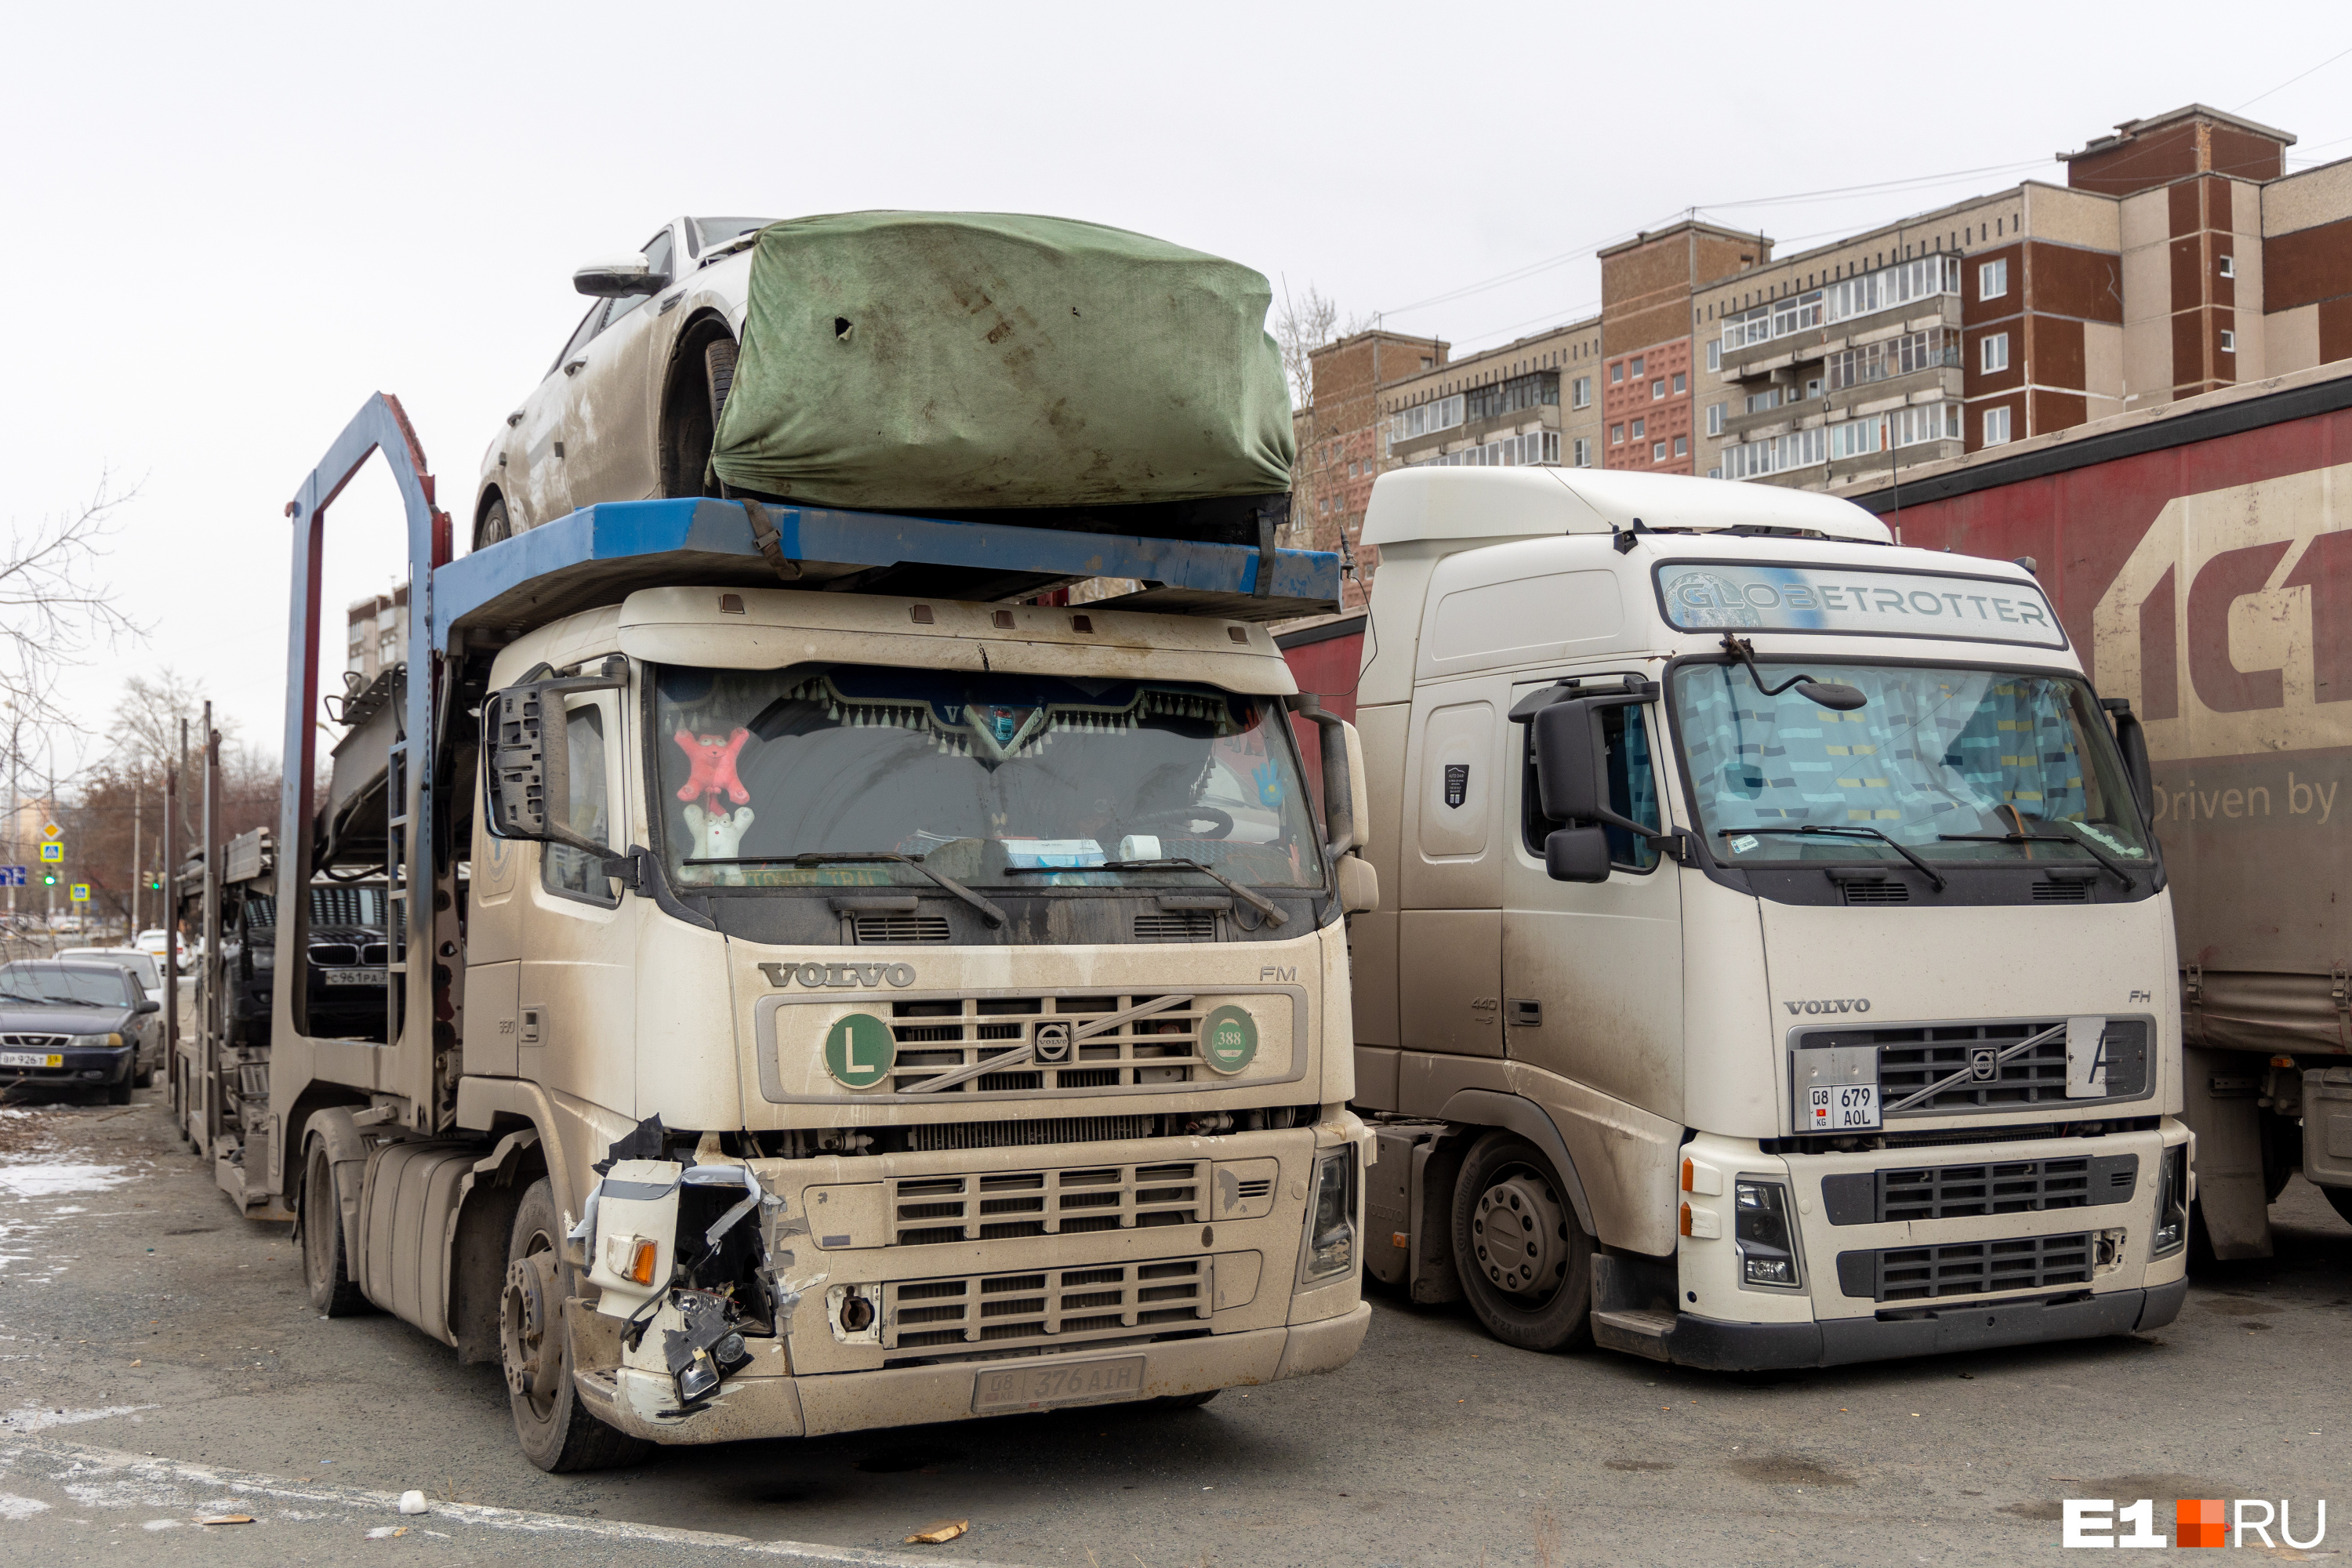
[{"x": 761, "y": 1403}]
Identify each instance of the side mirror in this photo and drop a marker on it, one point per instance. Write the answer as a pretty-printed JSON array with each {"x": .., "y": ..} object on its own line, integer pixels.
[
  {"x": 149, "y": 1006},
  {"x": 1568, "y": 759},
  {"x": 615, "y": 280},
  {"x": 1347, "y": 796},
  {"x": 2132, "y": 741},
  {"x": 1359, "y": 886},
  {"x": 1577, "y": 854},
  {"x": 527, "y": 755}
]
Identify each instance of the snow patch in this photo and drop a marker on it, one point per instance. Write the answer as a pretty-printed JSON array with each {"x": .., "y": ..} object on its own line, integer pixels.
[
  {"x": 33, "y": 1418},
  {"x": 49, "y": 1180},
  {"x": 14, "y": 1507}
]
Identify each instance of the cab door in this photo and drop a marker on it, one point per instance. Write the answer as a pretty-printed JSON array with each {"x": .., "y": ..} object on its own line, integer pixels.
[
  {"x": 1592, "y": 972},
  {"x": 575, "y": 1027},
  {"x": 1450, "y": 893}
]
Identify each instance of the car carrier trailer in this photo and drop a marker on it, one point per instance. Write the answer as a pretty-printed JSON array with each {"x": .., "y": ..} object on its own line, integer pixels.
[{"x": 823, "y": 990}]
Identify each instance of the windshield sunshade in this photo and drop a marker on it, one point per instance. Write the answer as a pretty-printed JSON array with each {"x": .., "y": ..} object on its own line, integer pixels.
[
  {"x": 983, "y": 777},
  {"x": 1942, "y": 760},
  {"x": 1711, "y": 595}
]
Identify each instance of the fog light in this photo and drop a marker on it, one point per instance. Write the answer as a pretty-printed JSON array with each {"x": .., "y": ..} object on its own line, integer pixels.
[
  {"x": 1767, "y": 1250},
  {"x": 2172, "y": 1202},
  {"x": 856, "y": 1314},
  {"x": 1331, "y": 1226},
  {"x": 698, "y": 1377}
]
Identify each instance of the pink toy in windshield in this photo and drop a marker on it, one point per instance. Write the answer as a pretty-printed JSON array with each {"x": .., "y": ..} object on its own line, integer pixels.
[{"x": 713, "y": 760}]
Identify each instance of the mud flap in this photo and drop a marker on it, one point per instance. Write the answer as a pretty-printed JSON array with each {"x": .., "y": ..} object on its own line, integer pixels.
[{"x": 2219, "y": 1104}]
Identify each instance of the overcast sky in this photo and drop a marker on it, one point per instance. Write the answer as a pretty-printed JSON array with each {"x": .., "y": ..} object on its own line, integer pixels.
[{"x": 227, "y": 226}]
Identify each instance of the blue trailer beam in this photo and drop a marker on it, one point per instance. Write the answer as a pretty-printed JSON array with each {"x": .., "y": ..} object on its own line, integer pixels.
[{"x": 673, "y": 538}]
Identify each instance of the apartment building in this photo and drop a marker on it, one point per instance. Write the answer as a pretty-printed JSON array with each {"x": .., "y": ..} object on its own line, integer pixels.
[
  {"x": 1340, "y": 450},
  {"x": 378, "y": 630},
  {"x": 2179, "y": 258}
]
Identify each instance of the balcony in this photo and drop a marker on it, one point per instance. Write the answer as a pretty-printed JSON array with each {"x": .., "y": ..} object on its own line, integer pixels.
[
  {"x": 1476, "y": 432},
  {"x": 1938, "y": 311}
]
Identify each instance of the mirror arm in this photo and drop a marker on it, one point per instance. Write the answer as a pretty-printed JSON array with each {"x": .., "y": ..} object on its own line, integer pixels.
[{"x": 1338, "y": 787}]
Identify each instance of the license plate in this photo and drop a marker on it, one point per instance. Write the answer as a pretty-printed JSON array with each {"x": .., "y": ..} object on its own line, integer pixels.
[
  {"x": 1842, "y": 1107},
  {"x": 353, "y": 976},
  {"x": 1042, "y": 1387},
  {"x": 31, "y": 1059}
]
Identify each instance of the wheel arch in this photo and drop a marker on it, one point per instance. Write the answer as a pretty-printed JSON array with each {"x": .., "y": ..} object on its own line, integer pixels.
[
  {"x": 480, "y": 1232},
  {"x": 685, "y": 401},
  {"x": 1513, "y": 1113}
]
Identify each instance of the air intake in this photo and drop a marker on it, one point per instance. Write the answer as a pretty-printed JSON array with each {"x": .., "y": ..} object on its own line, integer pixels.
[
  {"x": 1878, "y": 892},
  {"x": 1176, "y": 925},
  {"x": 2061, "y": 892},
  {"x": 900, "y": 930}
]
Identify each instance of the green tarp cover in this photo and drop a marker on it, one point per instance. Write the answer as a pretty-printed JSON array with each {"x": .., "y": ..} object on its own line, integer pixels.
[{"x": 899, "y": 361}]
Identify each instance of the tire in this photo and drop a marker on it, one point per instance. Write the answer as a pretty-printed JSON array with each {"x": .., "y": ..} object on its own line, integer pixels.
[
  {"x": 559, "y": 1433},
  {"x": 145, "y": 1078},
  {"x": 718, "y": 376},
  {"x": 1532, "y": 1284},
  {"x": 2341, "y": 1200},
  {"x": 120, "y": 1093},
  {"x": 332, "y": 1290},
  {"x": 494, "y": 525}
]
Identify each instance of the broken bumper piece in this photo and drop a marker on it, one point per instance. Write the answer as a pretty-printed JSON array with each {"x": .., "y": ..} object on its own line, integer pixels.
[{"x": 761, "y": 1401}]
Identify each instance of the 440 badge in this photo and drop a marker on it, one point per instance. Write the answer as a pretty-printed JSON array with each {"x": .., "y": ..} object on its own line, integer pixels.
[
  {"x": 1228, "y": 1040},
  {"x": 859, "y": 1050}
]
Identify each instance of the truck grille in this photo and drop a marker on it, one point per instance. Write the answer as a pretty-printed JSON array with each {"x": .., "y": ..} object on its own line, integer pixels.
[
  {"x": 1001, "y": 1205},
  {"x": 1957, "y": 1192},
  {"x": 1910, "y": 1060},
  {"x": 1046, "y": 1305},
  {"x": 939, "y": 1036},
  {"x": 1966, "y": 1267},
  {"x": 1176, "y": 925},
  {"x": 946, "y": 1137}
]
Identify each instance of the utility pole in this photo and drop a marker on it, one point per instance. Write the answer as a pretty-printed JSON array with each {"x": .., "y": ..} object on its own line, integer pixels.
[{"x": 138, "y": 795}]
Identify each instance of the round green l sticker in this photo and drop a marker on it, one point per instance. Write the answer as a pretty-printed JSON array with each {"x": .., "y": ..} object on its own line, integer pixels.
[
  {"x": 859, "y": 1050},
  {"x": 1228, "y": 1040}
]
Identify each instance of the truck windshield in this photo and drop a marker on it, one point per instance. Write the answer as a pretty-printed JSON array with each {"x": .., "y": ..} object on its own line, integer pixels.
[
  {"x": 981, "y": 776},
  {"x": 2006, "y": 762}
]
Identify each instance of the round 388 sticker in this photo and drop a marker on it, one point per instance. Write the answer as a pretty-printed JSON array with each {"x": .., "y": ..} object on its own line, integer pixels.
[
  {"x": 859, "y": 1050},
  {"x": 1228, "y": 1040}
]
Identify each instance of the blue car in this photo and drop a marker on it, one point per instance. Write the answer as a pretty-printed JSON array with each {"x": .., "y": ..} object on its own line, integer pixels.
[{"x": 73, "y": 1026}]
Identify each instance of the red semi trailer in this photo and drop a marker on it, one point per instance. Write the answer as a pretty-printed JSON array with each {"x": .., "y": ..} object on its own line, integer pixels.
[{"x": 2200, "y": 558}]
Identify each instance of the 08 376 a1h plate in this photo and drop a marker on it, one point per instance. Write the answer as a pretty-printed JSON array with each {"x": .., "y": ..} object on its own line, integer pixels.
[{"x": 1033, "y": 1387}]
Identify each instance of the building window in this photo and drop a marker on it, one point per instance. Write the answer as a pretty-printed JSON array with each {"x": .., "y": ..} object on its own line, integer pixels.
[
  {"x": 1428, "y": 363},
  {"x": 2229, "y": 266},
  {"x": 1616, "y": 373},
  {"x": 1637, "y": 365},
  {"x": 1580, "y": 391},
  {"x": 1996, "y": 426},
  {"x": 1714, "y": 418},
  {"x": 1715, "y": 354},
  {"x": 1657, "y": 451},
  {"x": 1992, "y": 353},
  {"x": 1638, "y": 425},
  {"x": 1715, "y": 473},
  {"x": 1583, "y": 452},
  {"x": 1992, "y": 278},
  {"x": 1682, "y": 446},
  {"x": 2229, "y": 341},
  {"x": 1682, "y": 383},
  {"x": 1657, "y": 391},
  {"x": 1616, "y": 435}
]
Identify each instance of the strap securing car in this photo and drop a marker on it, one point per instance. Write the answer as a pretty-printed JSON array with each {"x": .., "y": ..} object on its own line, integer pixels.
[{"x": 771, "y": 542}]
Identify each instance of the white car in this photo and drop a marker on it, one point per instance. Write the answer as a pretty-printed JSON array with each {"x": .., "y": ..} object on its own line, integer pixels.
[
  {"x": 156, "y": 942},
  {"x": 626, "y": 411}
]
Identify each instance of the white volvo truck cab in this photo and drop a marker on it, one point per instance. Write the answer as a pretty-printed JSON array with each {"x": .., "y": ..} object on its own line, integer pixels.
[{"x": 1774, "y": 968}]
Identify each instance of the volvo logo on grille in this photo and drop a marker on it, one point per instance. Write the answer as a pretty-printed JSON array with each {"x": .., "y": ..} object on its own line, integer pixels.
[
  {"x": 1832, "y": 1005},
  {"x": 846, "y": 976},
  {"x": 1053, "y": 1042},
  {"x": 1984, "y": 1063}
]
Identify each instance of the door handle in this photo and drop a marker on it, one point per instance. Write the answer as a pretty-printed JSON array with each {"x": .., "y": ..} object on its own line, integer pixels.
[{"x": 574, "y": 368}]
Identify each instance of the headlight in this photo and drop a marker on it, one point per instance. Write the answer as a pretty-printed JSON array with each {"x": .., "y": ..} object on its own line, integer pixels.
[
  {"x": 2172, "y": 1202},
  {"x": 96, "y": 1042},
  {"x": 1768, "y": 1249},
  {"x": 1331, "y": 1224}
]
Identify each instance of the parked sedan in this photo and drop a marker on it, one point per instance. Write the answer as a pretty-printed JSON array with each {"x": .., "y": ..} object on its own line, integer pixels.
[
  {"x": 73, "y": 1026},
  {"x": 627, "y": 410}
]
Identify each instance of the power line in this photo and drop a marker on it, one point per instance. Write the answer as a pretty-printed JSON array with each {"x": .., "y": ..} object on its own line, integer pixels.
[
  {"x": 1910, "y": 183},
  {"x": 2292, "y": 80}
]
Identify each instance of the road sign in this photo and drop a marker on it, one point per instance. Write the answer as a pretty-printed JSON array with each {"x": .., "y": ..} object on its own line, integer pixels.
[
  {"x": 81, "y": 893},
  {"x": 51, "y": 830},
  {"x": 53, "y": 854},
  {"x": 12, "y": 875}
]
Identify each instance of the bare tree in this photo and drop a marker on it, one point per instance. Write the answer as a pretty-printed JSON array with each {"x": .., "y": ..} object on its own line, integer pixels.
[
  {"x": 55, "y": 608},
  {"x": 1304, "y": 325}
]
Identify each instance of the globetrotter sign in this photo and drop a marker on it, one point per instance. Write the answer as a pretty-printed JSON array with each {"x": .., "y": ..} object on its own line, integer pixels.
[{"x": 1711, "y": 595}]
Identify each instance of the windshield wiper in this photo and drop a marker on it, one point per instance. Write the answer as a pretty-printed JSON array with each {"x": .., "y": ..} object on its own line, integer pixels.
[
  {"x": 2085, "y": 845},
  {"x": 1931, "y": 873},
  {"x": 1264, "y": 905},
  {"x": 988, "y": 912},
  {"x": 18, "y": 996}
]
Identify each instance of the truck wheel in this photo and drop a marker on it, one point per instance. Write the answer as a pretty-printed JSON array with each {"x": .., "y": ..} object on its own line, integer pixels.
[
  {"x": 559, "y": 1434},
  {"x": 1525, "y": 1262},
  {"x": 324, "y": 1270}
]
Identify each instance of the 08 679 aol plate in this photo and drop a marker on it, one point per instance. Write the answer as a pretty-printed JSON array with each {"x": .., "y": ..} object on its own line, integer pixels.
[{"x": 1043, "y": 1388}]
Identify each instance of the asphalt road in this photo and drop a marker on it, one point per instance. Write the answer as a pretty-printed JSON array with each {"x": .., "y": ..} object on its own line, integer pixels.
[{"x": 160, "y": 1363}]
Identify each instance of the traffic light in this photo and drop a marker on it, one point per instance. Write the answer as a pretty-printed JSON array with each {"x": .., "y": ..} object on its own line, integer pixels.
[
  {"x": 48, "y": 878},
  {"x": 156, "y": 882}
]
